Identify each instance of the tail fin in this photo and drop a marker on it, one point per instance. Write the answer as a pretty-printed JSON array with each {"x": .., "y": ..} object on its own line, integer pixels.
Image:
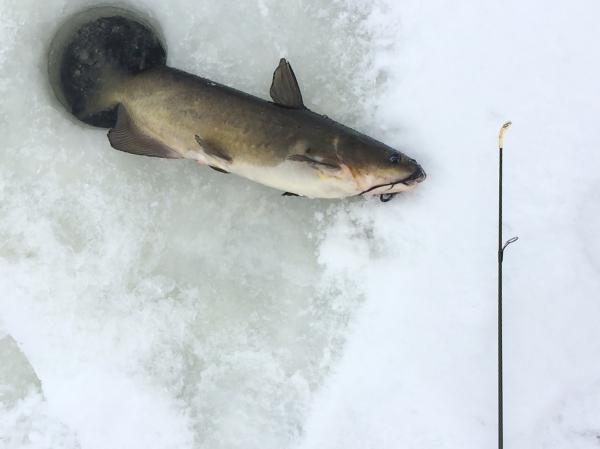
[{"x": 92, "y": 51}]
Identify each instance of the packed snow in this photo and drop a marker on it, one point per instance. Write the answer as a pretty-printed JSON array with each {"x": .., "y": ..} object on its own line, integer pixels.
[{"x": 156, "y": 304}]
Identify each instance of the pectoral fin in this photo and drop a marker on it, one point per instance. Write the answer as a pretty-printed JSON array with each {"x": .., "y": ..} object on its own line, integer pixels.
[
  {"x": 212, "y": 150},
  {"x": 220, "y": 170},
  {"x": 284, "y": 88},
  {"x": 315, "y": 163},
  {"x": 127, "y": 137}
]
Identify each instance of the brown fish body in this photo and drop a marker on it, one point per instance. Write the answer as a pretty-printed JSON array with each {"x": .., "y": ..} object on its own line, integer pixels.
[
  {"x": 291, "y": 149},
  {"x": 108, "y": 68}
]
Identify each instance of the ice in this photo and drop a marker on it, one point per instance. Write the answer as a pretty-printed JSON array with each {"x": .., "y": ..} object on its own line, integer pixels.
[{"x": 165, "y": 305}]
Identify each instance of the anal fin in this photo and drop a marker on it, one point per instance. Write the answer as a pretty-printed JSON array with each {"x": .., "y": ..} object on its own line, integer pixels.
[{"x": 127, "y": 137}]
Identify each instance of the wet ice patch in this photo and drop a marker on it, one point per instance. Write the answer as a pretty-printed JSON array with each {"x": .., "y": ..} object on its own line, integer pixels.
[
  {"x": 17, "y": 377},
  {"x": 25, "y": 420}
]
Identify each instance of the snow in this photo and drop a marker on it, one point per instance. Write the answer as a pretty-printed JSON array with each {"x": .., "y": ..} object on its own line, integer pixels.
[{"x": 148, "y": 303}]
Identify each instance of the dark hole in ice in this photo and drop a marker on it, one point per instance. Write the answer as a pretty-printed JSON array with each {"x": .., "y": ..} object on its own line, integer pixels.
[{"x": 91, "y": 45}]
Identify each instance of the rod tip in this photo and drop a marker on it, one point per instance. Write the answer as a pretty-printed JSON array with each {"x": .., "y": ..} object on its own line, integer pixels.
[{"x": 501, "y": 133}]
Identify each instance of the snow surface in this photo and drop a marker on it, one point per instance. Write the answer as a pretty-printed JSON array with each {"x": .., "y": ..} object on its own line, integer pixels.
[{"x": 154, "y": 304}]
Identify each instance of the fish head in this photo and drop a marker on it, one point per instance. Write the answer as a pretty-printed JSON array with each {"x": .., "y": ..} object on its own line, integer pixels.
[{"x": 381, "y": 170}]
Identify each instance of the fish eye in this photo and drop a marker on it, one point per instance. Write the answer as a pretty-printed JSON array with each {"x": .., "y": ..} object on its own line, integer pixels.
[{"x": 395, "y": 158}]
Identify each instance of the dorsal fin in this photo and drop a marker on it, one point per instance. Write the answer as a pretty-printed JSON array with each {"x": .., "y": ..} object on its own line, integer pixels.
[
  {"x": 127, "y": 137},
  {"x": 284, "y": 88}
]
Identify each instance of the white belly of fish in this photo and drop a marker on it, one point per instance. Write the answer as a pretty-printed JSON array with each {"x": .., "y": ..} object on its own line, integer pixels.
[{"x": 298, "y": 178}]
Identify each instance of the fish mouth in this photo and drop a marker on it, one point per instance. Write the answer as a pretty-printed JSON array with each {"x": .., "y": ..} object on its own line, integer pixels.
[{"x": 402, "y": 185}]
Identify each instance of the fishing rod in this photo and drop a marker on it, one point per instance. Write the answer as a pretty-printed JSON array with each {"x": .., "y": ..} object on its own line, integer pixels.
[{"x": 501, "y": 248}]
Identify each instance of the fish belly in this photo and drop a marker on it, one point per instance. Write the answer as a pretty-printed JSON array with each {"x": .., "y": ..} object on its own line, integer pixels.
[{"x": 305, "y": 181}]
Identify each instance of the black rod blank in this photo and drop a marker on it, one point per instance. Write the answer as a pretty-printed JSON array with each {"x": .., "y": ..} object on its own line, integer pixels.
[{"x": 501, "y": 248}]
